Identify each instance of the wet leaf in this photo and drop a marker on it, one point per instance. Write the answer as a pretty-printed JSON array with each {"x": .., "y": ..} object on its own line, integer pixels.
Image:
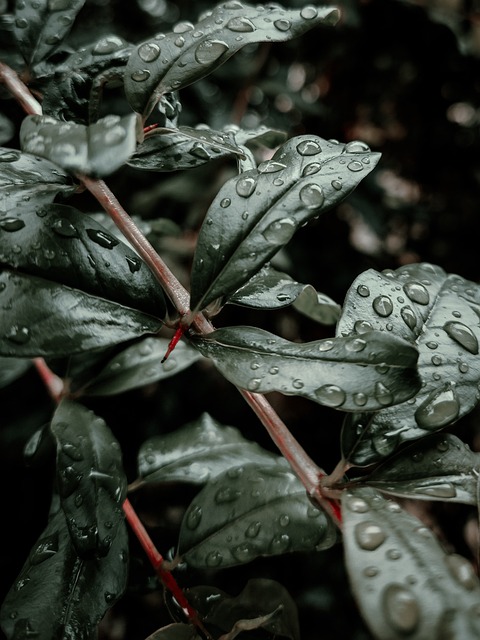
[
  {"x": 59, "y": 595},
  {"x": 346, "y": 372},
  {"x": 404, "y": 582},
  {"x": 49, "y": 320},
  {"x": 11, "y": 369},
  {"x": 251, "y": 511},
  {"x": 90, "y": 477},
  {"x": 98, "y": 149},
  {"x": 41, "y": 26},
  {"x": 174, "y": 60},
  {"x": 198, "y": 452},
  {"x": 437, "y": 312},
  {"x": 141, "y": 364},
  {"x": 260, "y": 137},
  {"x": 175, "y": 631},
  {"x": 257, "y": 212}
]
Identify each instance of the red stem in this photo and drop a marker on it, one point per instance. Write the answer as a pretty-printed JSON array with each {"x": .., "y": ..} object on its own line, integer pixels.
[
  {"x": 19, "y": 91},
  {"x": 52, "y": 382}
]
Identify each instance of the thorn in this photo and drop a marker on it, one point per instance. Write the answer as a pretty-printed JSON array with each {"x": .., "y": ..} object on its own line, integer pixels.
[{"x": 173, "y": 342}]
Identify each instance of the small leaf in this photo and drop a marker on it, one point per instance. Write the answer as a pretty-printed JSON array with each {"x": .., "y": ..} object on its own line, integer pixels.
[
  {"x": 11, "y": 369},
  {"x": 345, "y": 373},
  {"x": 404, "y": 582},
  {"x": 440, "y": 314},
  {"x": 174, "y": 60},
  {"x": 260, "y": 137},
  {"x": 256, "y": 213},
  {"x": 97, "y": 150},
  {"x": 198, "y": 452},
  {"x": 251, "y": 511},
  {"x": 90, "y": 477}
]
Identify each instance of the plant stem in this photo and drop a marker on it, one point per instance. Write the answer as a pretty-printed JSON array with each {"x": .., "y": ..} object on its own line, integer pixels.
[
  {"x": 19, "y": 91},
  {"x": 53, "y": 383}
]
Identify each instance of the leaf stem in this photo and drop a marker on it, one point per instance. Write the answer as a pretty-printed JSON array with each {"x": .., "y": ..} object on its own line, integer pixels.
[
  {"x": 52, "y": 382},
  {"x": 19, "y": 91}
]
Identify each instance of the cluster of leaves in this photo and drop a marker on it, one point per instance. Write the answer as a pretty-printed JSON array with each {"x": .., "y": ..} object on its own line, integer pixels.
[{"x": 401, "y": 363}]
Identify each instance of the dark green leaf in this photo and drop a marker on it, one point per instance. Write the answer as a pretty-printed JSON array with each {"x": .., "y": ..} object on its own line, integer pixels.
[
  {"x": 59, "y": 595},
  {"x": 346, "y": 373},
  {"x": 440, "y": 314},
  {"x": 256, "y": 213},
  {"x": 404, "y": 582},
  {"x": 11, "y": 369},
  {"x": 198, "y": 452},
  {"x": 252, "y": 511},
  {"x": 98, "y": 149},
  {"x": 50, "y": 320},
  {"x": 41, "y": 26},
  {"x": 90, "y": 477},
  {"x": 141, "y": 364},
  {"x": 175, "y": 631},
  {"x": 175, "y": 60}
]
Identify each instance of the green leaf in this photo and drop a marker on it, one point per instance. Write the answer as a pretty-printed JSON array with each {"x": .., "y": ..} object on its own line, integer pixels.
[
  {"x": 141, "y": 364},
  {"x": 403, "y": 581},
  {"x": 373, "y": 371},
  {"x": 58, "y": 594},
  {"x": 49, "y": 320},
  {"x": 174, "y": 60},
  {"x": 11, "y": 369},
  {"x": 175, "y": 631},
  {"x": 98, "y": 149},
  {"x": 90, "y": 477},
  {"x": 41, "y": 26},
  {"x": 256, "y": 213},
  {"x": 198, "y": 452},
  {"x": 262, "y": 136},
  {"x": 437, "y": 312},
  {"x": 251, "y": 511}
]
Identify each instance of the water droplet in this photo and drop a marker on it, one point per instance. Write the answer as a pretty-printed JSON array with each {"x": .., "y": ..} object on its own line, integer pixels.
[
  {"x": 337, "y": 184},
  {"x": 180, "y": 41},
  {"x": 280, "y": 543},
  {"x": 355, "y": 165},
  {"x": 441, "y": 490},
  {"x": 312, "y": 196},
  {"x": 383, "y": 306},
  {"x": 309, "y": 12},
  {"x": 46, "y": 549},
  {"x": 298, "y": 384},
  {"x": 78, "y": 500},
  {"x": 240, "y": 25},
  {"x": 311, "y": 169},
  {"x": 463, "y": 367},
  {"x": 401, "y": 608},
  {"x": 148, "y": 52},
  {"x": 363, "y": 290},
  {"x": 432, "y": 345},
  {"x": 227, "y": 494},
  {"x": 462, "y": 335},
  {"x": 214, "y": 559},
  {"x": 18, "y": 334},
  {"x": 253, "y": 529},
  {"x": 308, "y": 147},
  {"x": 253, "y": 384},
  {"x": 64, "y": 228},
  {"x": 360, "y": 399},
  {"x": 370, "y": 572},
  {"x": 194, "y": 516},
  {"x": 325, "y": 345},
  {"x": 226, "y": 202},
  {"x": 246, "y": 186},
  {"x": 439, "y": 409},
  {"x": 462, "y": 571},
  {"x": 356, "y": 146},
  {"x": 356, "y": 345},
  {"x": 283, "y": 297},
  {"x": 102, "y": 238},
  {"x": 210, "y": 51},
  {"x": 437, "y": 360},
  {"x": 21, "y": 23},
  {"x": 357, "y": 505},
  {"x": 362, "y": 326},
  {"x": 12, "y": 224},
  {"x": 271, "y": 167},
  {"x": 134, "y": 263},
  {"x": 140, "y": 75},
  {"x": 409, "y": 317},
  {"x": 282, "y": 24},
  {"x": 383, "y": 395},
  {"x": 330, "y": 395},
  {"x": 284, "y": 520},
  {"x": 416, "y": 292},
  {"x": 280, "y": 231}
]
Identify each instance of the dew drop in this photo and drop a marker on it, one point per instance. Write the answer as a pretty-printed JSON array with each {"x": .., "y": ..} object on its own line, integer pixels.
[
  {"x": 355, "y": 165},
  {"x": 309, "y": 12},
  {"x": 383, "y": 395},
  {"x": 462, "y": 335},
  {"x": 210, "y": 51},
  {"x": 432, "y": 345},
  {"x": 280, "y": 543},
  {"x": 226, "y": 495},
  {"x": 253, "y": 384},
  {"x": 253, "y": 529},
  {"x": 363, "y": 290},
  {"x": 149, "y": 51},
  {"x": 416, "y": 292},
  {"x": 134, "y": 263},
  {"x": 401, "y": 608},
  {"x": 246, "y": 186},
  {"x": 370, "y": 572},
  {"x": 46, "y": 549},
  {"x": 325, "y": 345},
  {"x": 439, "y": 409},
  {"x": 180, "y": 41},
  {"x": 409, "y": 317},
  {"x": 280, "y": 231},
  {"x": 330, "y": 395},
  {"x": 356, "y": 146},
  {"x": 282, "y": 24},
  {"x": 312, "y": 196},
  {"x": 12, "y": 224},
  {"x": 441, "y": 490},
  {"x": 437, "y": 360},
  {"x": 194, "y": 516},
  {"x": 369, "y": 535},
  {"x": 21, "y": 23},
  {"x": 337, "y": 184},
  {"x": 226, "y": 202},
  {"x": 393, "y": 554},
  {"x": 356, "y": 345},
  {"x": 107, "y": 45},
  {"x": 383, "y": 306},
  {"x": 245, "y": 215},
  {"x": 64, "y": 228},
  {"x": 308, "y": 147},
  {"x": 18, "y": 334},
  {"x": 214, "y": 559},
  {"x": 140, "y": 75},
  {"x": 362, "y": 326},
  {"x": 102, "y": 238},
  {"x": 298, "y": 384},
  {"x": 357, "y": 505},
  {"x": 240, "y": 25},
  {"x": 462, "y": 571},
  {"x": 278, "y": 182},
  {"x": 271, "y": 167},
  {"x": 360, "y": 399},
  {"x": 243, "y": 552}
]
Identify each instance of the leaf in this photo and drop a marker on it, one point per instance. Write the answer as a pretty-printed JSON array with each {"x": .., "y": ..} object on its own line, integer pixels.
[
  {"x": 198, "y": 452},
  {"x": 175, "y": 631},
  {"x": 49, "y": 320},
  {"x": 174, "y": 60},
  {"x": 345, "y": 373},
  {"x": 68, "y": 247},
  {"x": 256, "y": 213},
  {"x": 11, "y": 369},
  {"x": 261, "y": 136},
  {"x": 250, "y": 624},
  {"x": 90, "y": 477},
  {"x": 59, "y": 595},
  {"x": 251, "y": 511},
  {"x": 403, "y": 581},
  {"x": 440, "y": 314},
  {"x": 97, "y": 150},
  {"x": 167, "y": 149},
  {"x": 438, "y": 467},
  {"x": 272, "y": 289},
  {"x": 140, "y": 364},
  {"x": 41, "y": 26}
]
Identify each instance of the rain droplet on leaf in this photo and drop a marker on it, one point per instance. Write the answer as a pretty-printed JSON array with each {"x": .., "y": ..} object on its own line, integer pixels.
[
  {"x": 369, "y": 535},
  {"x": 462, "y": 335},
  {"x": 210, "y": 51},
  {"x": 240, "y": 24},
  {"x": 416, "y": 292},
  {"x": 330, "y": 395},
  {"x": 401, "y": 608},
  {"x": 439, "y": 409}
]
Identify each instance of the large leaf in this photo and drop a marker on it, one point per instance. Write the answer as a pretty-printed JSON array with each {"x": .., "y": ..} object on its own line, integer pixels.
[
  {"x": 404, "y": 582},
  {"x": 346, "y": 373},
  {"x": 41, "y": 318},
  {"x": 174, "y": 60},
  {"x": 90, "y": 477},
  {"x": 256, "y": 213},
  {"x": 58, "y": 594},
  {"x": 251, "y": 511},
  {"x": 440, "y": 314},
  {"x": 197, "y": 452}
]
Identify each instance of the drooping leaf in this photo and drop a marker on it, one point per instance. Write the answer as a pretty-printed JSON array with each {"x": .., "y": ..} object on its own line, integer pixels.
[
  {"x": 272, "y": 289},
  {"x": 251, "y": 511},
  {"x": 198, "y": 452},
  {"x": 440, "y": 314},
  {"x": 256, "y": 213},
  {"x": 346, "y": 372},
  {"x": 404, "y": 582},
  {"x": 58, "y": 594},
  {"x": 50, "y": 320},
  {"x": 90, "y": 477},
  {"x": 12, "y": 368},
  {"x": 63, "y": 245},
  {"x": 41, "y": 26},
  {"x": 261, "y": 136},
  {"x": 141, "y": 364},
  {"x": 98, "y": 149},
  {"x": 174, "y": 60},
  {"x": 175, "y": 631}
]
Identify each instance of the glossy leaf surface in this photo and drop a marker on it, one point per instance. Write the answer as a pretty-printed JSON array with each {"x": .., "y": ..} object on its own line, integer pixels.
[
  {"x": 174, "y": 60},
  {"x": 198, "y": 452},
  {"x": 346, "y": 373},
  {"x": 256, "y": 213},
  {"x": 90, "y": 477},
  {"x": 404, "y": 582},
  {"x": 440, "y": 314}
]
